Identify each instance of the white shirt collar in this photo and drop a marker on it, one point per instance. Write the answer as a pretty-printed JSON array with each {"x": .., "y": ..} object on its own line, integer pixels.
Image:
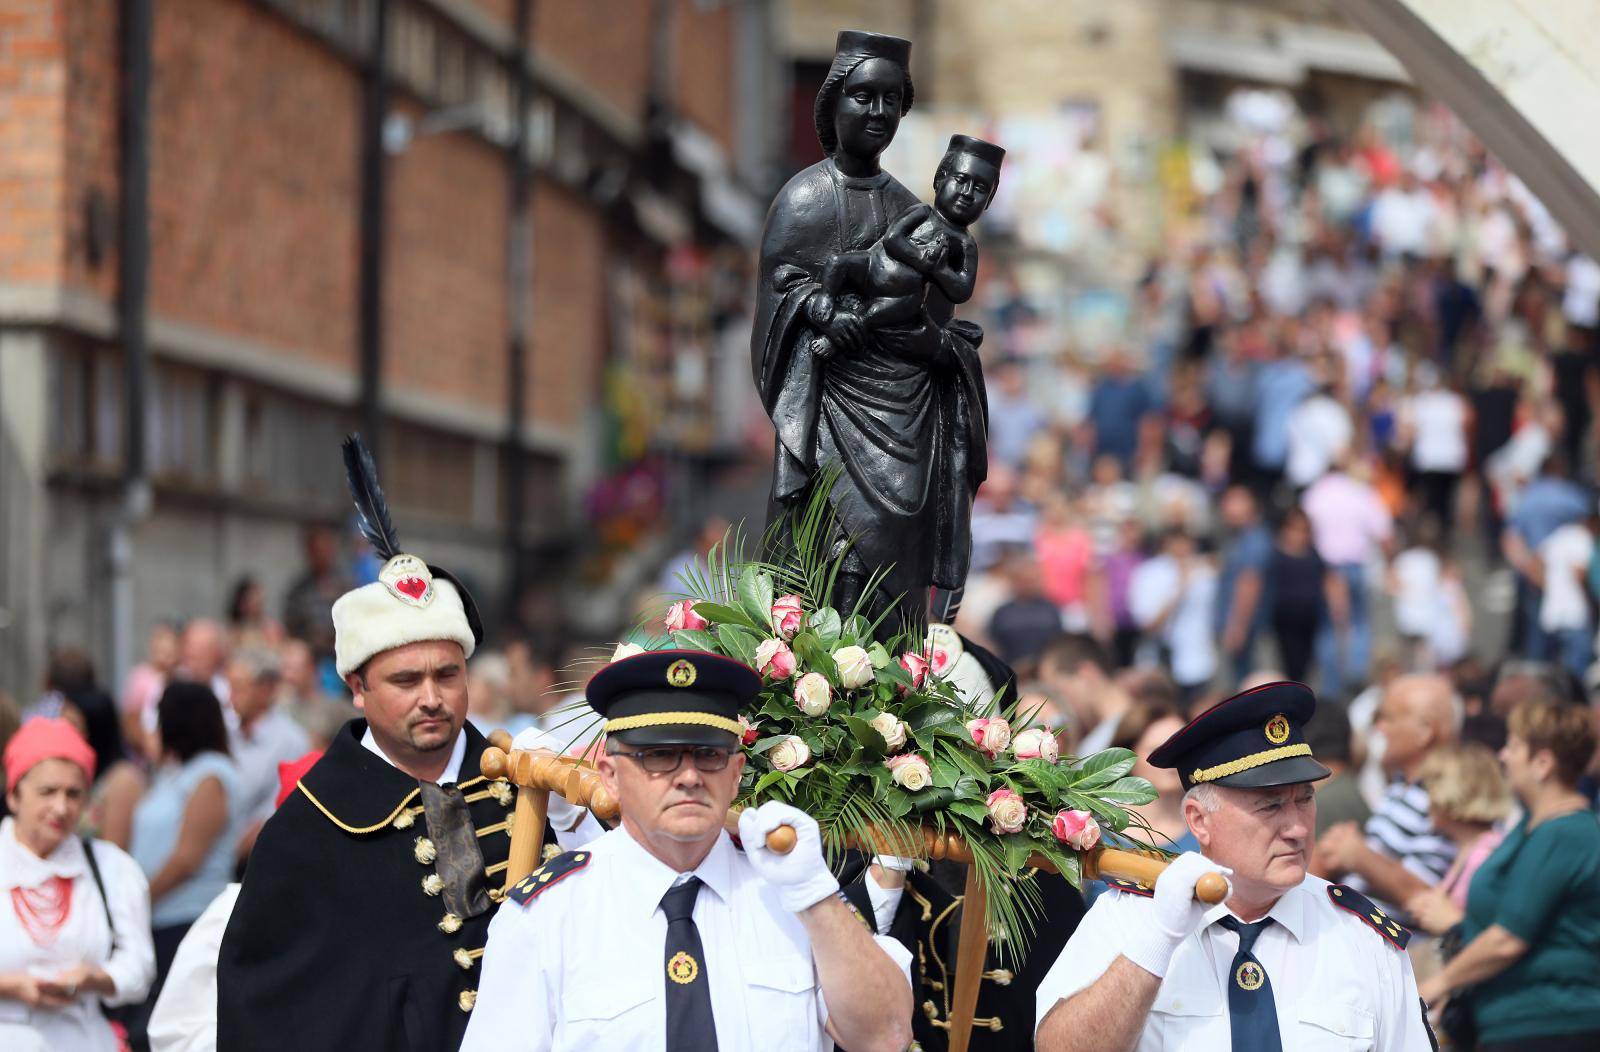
[
  {"x": 452, "y": 770},
  {"x": 1289, "y": 911},
  {"x": 653, "y": 877}
]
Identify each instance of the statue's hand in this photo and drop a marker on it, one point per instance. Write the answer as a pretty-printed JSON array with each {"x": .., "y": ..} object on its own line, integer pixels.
[{"x": 846, "y": 332}]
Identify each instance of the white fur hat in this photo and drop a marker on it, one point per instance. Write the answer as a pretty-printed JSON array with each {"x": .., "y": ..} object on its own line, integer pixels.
[{"x": 406, "y": 604}]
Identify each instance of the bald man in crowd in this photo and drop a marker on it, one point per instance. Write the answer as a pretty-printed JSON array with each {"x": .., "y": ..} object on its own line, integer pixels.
[{"x": 1399, "y": 844}]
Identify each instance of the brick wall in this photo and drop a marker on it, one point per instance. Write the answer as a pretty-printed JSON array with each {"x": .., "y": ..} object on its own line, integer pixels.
[
  {"x": 703, "y": 75},
  {"x": 444, "y": 287},
  {"x": 255, "y": 143},
  {"x": 32, "y": 129},
  {"x": 91, "y": 148},
  {"x": 603, "y": 43},
  {"x": 569, "y": 312}
]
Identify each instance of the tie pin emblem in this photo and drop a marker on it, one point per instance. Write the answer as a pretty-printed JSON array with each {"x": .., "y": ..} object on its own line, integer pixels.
[
  {"x": 682, "y": 969},
  {"x": 1250, "y": 976}
]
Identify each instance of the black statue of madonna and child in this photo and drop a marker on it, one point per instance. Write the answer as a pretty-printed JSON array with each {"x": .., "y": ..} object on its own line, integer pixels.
[{"x": 858, "y": 357}]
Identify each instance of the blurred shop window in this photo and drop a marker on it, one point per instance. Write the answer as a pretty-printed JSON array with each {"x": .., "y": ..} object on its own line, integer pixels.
[
  {"x": 430, "y": 471},
  {"x": 181, "y": 423},
  {"x": 86, "y": 387},
  {"x": 286, "y": 443}
]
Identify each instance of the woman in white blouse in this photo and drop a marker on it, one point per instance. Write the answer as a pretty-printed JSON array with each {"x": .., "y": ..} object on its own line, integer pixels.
[{"x": 66, "y": 947}]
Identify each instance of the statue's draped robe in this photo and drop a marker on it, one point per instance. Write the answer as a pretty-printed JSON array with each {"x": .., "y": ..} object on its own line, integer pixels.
[{"x": 910, "y": 434}]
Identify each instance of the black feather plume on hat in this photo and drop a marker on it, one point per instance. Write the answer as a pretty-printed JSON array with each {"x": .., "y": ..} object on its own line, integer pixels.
[
  {"x": 372, "y": 515},
  {"x": 372, "y": 510}
]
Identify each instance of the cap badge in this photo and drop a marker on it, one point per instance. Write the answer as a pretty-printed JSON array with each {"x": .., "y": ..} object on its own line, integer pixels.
[
  {"x": 1278, "y": 729},
  {"x": 408, "y": 580},
  {"x": 1249, "y": 976},
  {"x": 682, "y": 969},
  {"x": 681, "y": 673}
]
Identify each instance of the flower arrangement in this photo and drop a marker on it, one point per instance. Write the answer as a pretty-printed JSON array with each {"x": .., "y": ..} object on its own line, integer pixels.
[{"x": 873, "y": 740}]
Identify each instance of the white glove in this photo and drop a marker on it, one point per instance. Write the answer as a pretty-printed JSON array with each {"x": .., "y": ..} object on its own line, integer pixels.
[
  {"x": 894, "y": 863},
  {"x": 1175, "y": 915},
  {"x": 801, "y": 877}
]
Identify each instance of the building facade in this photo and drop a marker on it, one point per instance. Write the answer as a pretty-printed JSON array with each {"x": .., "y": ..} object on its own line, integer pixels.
[{"x": 499, "y": 234}]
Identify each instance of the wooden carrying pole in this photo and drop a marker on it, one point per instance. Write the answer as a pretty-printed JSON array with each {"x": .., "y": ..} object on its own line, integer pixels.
[{"x": 539, "y": 773}]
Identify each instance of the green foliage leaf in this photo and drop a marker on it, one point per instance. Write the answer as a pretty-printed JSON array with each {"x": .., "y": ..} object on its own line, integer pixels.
[
  {"x": 972, "y": 809},
  {"x": 867, "y": 736},
  {"x": 755, "y": 594},
  {"x": 719, "y": 614},
  {"x": 1128, "y": 792},
  {"x": 825, "y": 623},
  {"x": 738, "y": 643},
  {"x": 1102, "y": 768},
  {"x": 814, "y": 657},
  {"x": 768, "y": 780},
  {"x": 1017, "y": 847},
  {"x": 695, "y": 639}
]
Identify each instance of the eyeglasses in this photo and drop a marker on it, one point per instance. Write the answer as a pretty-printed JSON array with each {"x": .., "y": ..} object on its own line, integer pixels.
[{"x": 668, "y": 758}]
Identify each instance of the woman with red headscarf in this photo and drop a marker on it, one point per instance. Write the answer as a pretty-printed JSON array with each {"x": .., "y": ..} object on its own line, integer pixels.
[{"x": 75, "y": 912}]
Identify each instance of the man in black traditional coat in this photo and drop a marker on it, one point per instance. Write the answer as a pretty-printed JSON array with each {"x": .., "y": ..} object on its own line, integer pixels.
[{"x": 367, "y": 900}]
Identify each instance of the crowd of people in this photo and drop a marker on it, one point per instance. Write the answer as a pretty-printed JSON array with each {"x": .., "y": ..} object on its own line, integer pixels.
[{"x": 1344, "y": 449}]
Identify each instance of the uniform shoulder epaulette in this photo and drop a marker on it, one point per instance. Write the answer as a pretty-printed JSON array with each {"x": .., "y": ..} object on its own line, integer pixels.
[
  {"x": 1348, "y": 898},
  {"x": 548, "y": 876},
  {"x": 1130, "y": 887}
]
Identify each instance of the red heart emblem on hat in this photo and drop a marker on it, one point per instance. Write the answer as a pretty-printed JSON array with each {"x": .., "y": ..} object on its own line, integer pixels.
[{"x": 415, "y": 587}]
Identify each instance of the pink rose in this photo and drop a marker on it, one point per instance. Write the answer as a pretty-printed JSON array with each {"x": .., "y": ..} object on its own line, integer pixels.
[
  {"x": 1007, "y": 812},
  {"x": 916, "y": 667},
  {"x": 992, "y": 735},
  {"x": 790, "y": 753},
  {"x": 1076, "y": 829},
  {"x": 910, "y": 771},
  {"x": 1036, "y": 743},
  {"x": 748, "y": 732},
  {"x": 682, "y": 618},
  {"x": 788, "y": 616},
  {"x": 774, "y": 659}
]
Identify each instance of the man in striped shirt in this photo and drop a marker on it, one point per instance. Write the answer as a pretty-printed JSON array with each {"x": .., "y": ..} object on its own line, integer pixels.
[{"x": 1399, "y": 850}]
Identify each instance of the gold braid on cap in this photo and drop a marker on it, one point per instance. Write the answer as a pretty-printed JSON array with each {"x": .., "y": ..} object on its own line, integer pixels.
[
  {"x": 669, "y": 719},
  {"x": 1245, "y": 763}
]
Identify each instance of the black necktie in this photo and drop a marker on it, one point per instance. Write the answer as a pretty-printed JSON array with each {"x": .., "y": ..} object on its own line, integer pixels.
[
  {"x": 690, "y": 1027},
  {"x": 1252, "y": 1014}
]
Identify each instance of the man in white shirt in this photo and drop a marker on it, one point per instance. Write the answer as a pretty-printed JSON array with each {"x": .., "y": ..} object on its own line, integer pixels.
[
  {"x": 1173, "y": 598},
  {"x": 1288, "y": 962},
  {"x": 1562, "y": 572},
  {"x": 1319, "y": 435},
  {"x": 662, "y": 936},
  {"x": 264, "y": 737}
]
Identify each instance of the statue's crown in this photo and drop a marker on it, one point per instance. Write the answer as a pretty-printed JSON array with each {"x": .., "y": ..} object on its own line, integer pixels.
[{"x": 873, "y": 45}]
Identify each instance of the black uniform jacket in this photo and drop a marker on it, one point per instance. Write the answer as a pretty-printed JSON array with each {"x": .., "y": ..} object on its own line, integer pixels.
[
  {"x": 928, "y": 921},
  {"x": 341, "y": 940}
]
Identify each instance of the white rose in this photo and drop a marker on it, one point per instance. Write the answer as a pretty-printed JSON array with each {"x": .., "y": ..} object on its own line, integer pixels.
[
  {"x": 855, "y": 667},
  {"x": 910, "y": 772},
  {"x": 790, "y": 753},
  {"x": 812, "y": 694},
  {"x": 1036, "y": 743},
  {"x": 626, "y": 650},
  {"x": 893, "y": 730}
]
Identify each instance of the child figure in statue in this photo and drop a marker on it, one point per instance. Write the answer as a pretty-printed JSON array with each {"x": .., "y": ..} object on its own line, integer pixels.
[{"x": 925, "y": 246}]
